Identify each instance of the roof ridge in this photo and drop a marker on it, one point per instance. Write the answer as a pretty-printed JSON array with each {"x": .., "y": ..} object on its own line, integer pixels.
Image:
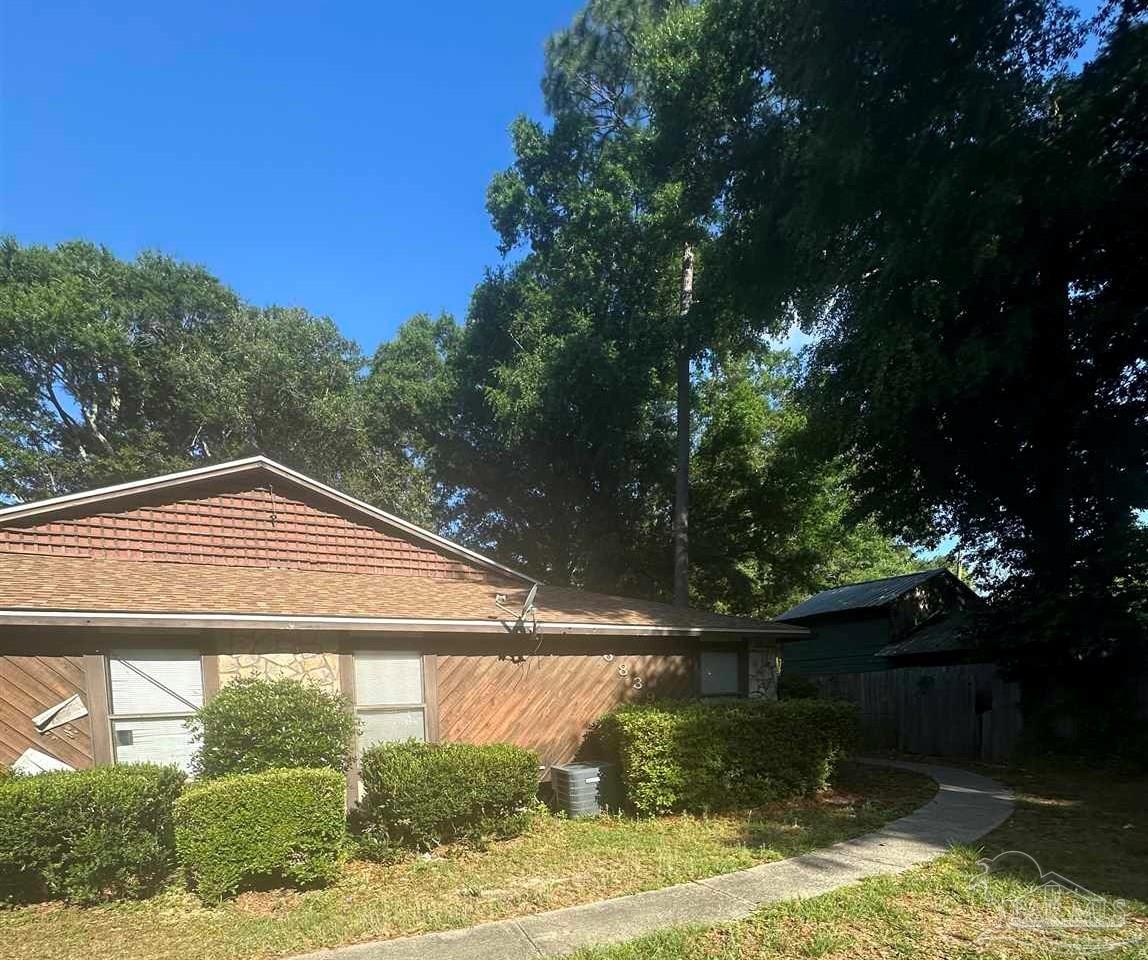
[{"x": 892, "y": 576}]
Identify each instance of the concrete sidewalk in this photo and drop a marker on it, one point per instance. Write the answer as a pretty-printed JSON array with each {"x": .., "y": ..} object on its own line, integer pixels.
[{"x": 967, "y": 806}]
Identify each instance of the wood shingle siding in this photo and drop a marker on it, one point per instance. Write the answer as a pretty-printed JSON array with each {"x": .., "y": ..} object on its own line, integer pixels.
[
  {"x": 29, "y": 686},
  {"x": 260, "y": 525}
]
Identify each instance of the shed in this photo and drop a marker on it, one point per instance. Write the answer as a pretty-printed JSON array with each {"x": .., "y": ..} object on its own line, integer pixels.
[{"x": 866, "y": 627}]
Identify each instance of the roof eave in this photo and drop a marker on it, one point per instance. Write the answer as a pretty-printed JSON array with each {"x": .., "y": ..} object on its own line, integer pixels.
[{"x": 225, "y": 621}]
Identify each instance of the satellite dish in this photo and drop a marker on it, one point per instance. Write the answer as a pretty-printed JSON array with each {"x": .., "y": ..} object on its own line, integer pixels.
[{"x": 521, "y": 616}]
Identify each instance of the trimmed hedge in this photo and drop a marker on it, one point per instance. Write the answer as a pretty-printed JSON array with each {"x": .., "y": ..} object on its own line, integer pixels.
[
  {"x": 279, "y": 826},
  {"x": 89, "y": 835},
  {"x": 422, "y": 794},
  {"x": 700, "y": 756},
  {"x": 256, "y": 724}
]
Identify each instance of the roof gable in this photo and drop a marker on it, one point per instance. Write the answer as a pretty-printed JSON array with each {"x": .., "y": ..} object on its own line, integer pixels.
[{"x": 252, "y": 512}]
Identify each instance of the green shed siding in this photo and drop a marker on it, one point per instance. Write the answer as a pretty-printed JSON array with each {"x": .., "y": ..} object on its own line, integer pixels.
[{"x": 843, "y": 646}]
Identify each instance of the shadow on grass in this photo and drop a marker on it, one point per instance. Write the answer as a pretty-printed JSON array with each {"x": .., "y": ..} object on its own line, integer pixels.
[
  {"x": 1083, "y": 824},
  {"x": 860, "y": 799}
]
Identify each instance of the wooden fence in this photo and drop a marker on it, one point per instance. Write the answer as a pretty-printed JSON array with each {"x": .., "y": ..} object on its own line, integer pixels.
[{"x": 962, "y": 710}]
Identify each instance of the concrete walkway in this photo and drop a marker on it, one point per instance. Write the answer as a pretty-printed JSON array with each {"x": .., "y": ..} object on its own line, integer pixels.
[{"x": 966, "y": 807}]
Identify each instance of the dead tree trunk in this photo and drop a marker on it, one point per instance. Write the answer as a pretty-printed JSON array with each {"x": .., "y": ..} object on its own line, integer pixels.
[{"x": 682, "y": 484}]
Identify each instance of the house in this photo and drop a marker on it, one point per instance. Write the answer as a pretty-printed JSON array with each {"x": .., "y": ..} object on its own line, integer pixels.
[
  {"x": 903, "y": 649},
  {"x": 122, "y": 609},
  {"x": 871, "y": 626}
]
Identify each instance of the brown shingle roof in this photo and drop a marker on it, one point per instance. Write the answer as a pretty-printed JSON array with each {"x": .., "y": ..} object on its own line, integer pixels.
[{"x": 48, "y": 583}]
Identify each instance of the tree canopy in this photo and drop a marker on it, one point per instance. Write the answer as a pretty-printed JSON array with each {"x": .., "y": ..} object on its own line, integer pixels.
[
  {"x": 113, "y": 370},
  {"x": 957, "y": 213},
  {"x": 575, "y": 352}
]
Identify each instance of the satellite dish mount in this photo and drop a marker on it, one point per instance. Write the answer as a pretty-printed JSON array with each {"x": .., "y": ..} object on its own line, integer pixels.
[{"x": 525, "y": 622}]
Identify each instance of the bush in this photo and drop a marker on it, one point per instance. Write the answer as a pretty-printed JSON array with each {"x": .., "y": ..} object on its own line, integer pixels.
[
  {"x": 422, "y": 794},
  {"x": 793, "y": 686},
  {"x": 700, "y": 756},
  {"x": 256, "y": 724},
  {"x": 88, "y": 835},
  {"x": 369, "y": 839},
  {"x": 278, "y": 826}
]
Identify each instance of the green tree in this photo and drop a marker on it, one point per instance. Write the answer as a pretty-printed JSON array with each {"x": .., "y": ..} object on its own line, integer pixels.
[
  {"x": 561, "y": 433},
  {"x": 590, "y": 186},
  {"x": 571, "y": 405},
  {"x": 113, "y": 370},
  {"x": 409, "y": 399},
  {"x": 566, "y": 364},
  {"x": 958, "y": 213},
  {"x": 89, "y": 348},
  {"x": 775, "y": 521}
]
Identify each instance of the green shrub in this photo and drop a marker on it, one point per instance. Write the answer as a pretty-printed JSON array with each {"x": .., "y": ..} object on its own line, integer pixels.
[
  {"x": 699, "y": 756},
  {"x": 793, "y": 686},
  {"x": 256, "y": 724},
  {"x": 423, "y": 794},
  {"x": 88, "y": 835},
  {"x": 277, "y": 826},
  {"x": 369, "y": 839}
]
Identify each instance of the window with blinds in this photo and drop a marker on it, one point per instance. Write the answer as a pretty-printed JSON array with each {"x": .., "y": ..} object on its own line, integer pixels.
[
  {"x": 389, "y": 697},
  {"x": 719, "y": 669},
  {"x": 151, "y": 695}
]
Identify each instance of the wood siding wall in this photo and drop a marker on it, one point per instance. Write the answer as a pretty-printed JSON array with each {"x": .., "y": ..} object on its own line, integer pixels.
[
  {"x": 547, "y": 703},
  {"x": 847, "y": 646},
  {"x": 29, "y": 686},
  {"x": 960, "y": 710},
  {"x": 252, "y": 526}
]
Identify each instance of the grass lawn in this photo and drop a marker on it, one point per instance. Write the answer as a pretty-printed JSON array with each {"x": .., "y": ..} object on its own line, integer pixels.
[
  {"x": 558, "y": 863},
  {"x": 1089, "y": 827}
]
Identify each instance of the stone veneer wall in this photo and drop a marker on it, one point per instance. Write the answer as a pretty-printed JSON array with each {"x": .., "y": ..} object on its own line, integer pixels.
[
  {"x": 764, "y": 669},
  {"x": 290, "y": 657}
]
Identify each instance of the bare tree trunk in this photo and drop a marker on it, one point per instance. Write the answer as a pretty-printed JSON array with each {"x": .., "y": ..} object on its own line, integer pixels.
[{"x": 682, "y": 485}]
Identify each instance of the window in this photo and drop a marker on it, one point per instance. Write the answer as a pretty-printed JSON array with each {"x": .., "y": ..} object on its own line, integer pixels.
[
  {"x": 389, "y": 697},
  {"x": 720, "y": 669},
  {"x": 152, "y": 693}
]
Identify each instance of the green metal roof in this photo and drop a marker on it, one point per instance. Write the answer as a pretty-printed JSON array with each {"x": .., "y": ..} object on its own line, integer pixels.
[
  {"x": 869, "y": 594},
  {"x": 944, "y": 634}
]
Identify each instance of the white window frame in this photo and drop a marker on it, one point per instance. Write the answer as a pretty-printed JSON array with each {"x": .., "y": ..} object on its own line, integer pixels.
[
  {"x": 376, "y": 708},
  {"x": 122, "y": 655}
]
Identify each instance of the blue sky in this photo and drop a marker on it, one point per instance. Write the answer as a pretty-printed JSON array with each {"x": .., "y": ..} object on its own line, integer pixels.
[{"x": 331, "y": 156}]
